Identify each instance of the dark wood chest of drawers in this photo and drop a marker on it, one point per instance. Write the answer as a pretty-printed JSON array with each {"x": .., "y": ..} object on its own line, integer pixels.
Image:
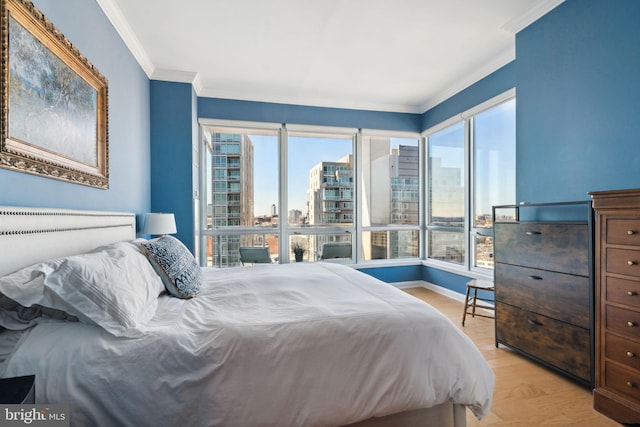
[
  {"x": 544, "y": 292},
  {"x": 617, "y": 274}
]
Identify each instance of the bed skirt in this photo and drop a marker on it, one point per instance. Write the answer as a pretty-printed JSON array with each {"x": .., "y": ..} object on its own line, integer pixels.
[{"x": 444, "y": 415}]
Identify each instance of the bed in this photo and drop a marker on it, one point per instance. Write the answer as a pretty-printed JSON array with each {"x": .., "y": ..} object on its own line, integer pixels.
[{"x": 302, "y": 344}]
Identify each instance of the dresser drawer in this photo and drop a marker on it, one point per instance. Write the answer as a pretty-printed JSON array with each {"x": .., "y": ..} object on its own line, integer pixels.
[
  {"x": 557, "y": 295},
  {"x": 623, "y": 291},
  {"x": 623, "y": 231},
  {"x": 622, "y": 350},
  {"x": 622, "y": 321},
  {"x": 557, "y": 343},
  {"x": 622, "y": 380},
  {"x": 623, "y": 261},
  {"x": 556, "y": 247}
]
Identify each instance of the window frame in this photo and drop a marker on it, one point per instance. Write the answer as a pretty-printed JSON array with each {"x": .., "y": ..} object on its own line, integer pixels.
[
  {"x": 288, "y": 231},
  {"x": 285, "y": 231},
  {"x": 360, "y": 228},
  {"x": 470, "y": 232},
  {"x": 205, "y": 233}
]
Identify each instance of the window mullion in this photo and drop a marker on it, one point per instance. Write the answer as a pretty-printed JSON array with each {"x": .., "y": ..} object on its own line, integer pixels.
[
  {"x": 283, "y": 159},
  {"x": 469, "y": 190},
  {"x": 357, "y": 194},
  {"x": 422, "y": 203}
]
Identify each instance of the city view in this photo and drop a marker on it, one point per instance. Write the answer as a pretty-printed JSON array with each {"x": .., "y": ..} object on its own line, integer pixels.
[{"x": 243, "y": 193}]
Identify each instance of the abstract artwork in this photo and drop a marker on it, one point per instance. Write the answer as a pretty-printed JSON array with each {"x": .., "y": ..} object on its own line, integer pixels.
[{"x": 54, "y": 102}]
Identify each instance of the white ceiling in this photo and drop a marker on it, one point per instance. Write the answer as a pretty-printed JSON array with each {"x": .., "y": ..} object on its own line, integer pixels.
[{"x": 387, "y": 55}]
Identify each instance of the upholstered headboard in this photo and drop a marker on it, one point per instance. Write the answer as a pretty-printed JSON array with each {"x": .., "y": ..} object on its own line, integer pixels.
[{"x": 30, "y": 235}]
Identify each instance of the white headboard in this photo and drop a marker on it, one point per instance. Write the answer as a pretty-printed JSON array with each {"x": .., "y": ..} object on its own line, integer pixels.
[{"x": 30, "y": 235}]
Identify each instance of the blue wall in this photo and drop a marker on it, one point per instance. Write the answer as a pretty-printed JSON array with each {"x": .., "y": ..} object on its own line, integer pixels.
[
  {"x": 578, "y": 100},
  {"x": 172, "y": 134},
  {"x": 86, "y": 26},
  {"x": 409, "y": 273},
  {"x": 405, "y": 273},
  {"x": 228, "y": 109}
]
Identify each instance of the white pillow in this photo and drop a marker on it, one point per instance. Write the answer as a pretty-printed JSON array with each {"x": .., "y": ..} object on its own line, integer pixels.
[
  {"x": 113, "y": 287},
  {"x": 22, "y": 299}
]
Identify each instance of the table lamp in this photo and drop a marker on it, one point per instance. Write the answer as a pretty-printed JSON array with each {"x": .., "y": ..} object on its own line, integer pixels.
[{"x": 159, "y": 224}]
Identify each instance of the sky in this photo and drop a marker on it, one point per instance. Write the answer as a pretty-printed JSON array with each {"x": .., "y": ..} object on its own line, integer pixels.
[{"x": 304, "y": 154}]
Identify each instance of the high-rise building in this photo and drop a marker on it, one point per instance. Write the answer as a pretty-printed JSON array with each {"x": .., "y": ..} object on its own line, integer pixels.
[
  {"x": 232, "y": 193},
  {"x": 331, "y": 192},
  {"x": 405, "y": 185},
  {"x": 330, "y": 198},
  {"x": 295, "y": 217},
  {"x": 403, "y": 173}
]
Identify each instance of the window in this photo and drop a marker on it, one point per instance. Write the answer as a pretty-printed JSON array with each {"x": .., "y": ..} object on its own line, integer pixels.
[
  {"x": 446, "y": 196},
  {"x": 320, "y": 171},
  {"x": 390, "y": 196},
  {"x": 494, "y": 163},
  {"x": 470, "y": 168},
  {"x": 320, "y": 194},
  {"x": 371, "y": 194},
  {"x": 240, "y": 185}
]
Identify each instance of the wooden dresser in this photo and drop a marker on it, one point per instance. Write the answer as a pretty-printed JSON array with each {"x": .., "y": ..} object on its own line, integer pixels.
[
  {"x": 544, "y": 286},
  {"x": 617, "y": 255}
]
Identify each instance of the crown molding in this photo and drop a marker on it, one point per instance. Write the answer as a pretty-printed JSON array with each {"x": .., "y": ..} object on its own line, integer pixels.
[
  {"x": 540, "y": 9},
  {"x": 119, "y": 22},
  {"x": 177, "y": 76},
  {"x": 498, "y": 62}
]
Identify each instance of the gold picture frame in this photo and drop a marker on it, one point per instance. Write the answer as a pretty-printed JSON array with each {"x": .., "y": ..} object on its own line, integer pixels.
[{"x": 54, "y": 120}]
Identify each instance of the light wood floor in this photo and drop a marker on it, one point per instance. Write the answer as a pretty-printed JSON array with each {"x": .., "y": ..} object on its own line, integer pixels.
[{"x": 526, "y": 393}]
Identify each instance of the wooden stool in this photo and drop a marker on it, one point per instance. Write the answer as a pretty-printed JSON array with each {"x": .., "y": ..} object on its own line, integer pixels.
[{"x": 471, "y": 299}]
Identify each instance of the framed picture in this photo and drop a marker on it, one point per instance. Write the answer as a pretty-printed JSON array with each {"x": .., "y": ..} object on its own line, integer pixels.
[{"x": 54, "y": 102}]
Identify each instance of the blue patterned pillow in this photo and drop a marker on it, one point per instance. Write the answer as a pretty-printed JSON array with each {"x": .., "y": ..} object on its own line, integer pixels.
[{"x": 176, "y": 266}]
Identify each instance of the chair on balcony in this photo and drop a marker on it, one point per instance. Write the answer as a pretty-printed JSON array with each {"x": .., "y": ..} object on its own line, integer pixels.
[
  {"x": 254, "y": 255},
  {"x": 335, "y": 250}
]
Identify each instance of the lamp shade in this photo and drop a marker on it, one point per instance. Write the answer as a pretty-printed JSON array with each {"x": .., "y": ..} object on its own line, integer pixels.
[{"x": 159, "y": 223}]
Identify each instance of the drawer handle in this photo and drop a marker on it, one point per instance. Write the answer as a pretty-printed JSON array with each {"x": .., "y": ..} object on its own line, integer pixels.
[
  {"x": 630, "y": 232},
  {"x": 632, "y": 324},
  {"x": 632, "y": 293},
  {"x": 535, "y": 277},
  {"x": 630, "y": 354},
  {"x": 630, "y": 384},
  {"x": 632, "y": 262},
  {"x": 533, "y": 233},
  {"x": 534, "y": 322}
]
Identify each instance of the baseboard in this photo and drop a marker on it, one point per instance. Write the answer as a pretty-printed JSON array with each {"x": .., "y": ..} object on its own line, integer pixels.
[
  {"x": 408, "y": 284},
  {"x": 444, "y": 291},
  {"x": 435, "y": 288}
]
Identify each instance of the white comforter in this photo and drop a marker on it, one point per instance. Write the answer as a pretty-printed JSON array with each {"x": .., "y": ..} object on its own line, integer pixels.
[{"x": 275, "y": 345}]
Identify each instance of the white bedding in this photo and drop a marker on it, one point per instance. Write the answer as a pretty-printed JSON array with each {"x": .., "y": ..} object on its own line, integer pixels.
[{"x": 309, "y": 344}]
